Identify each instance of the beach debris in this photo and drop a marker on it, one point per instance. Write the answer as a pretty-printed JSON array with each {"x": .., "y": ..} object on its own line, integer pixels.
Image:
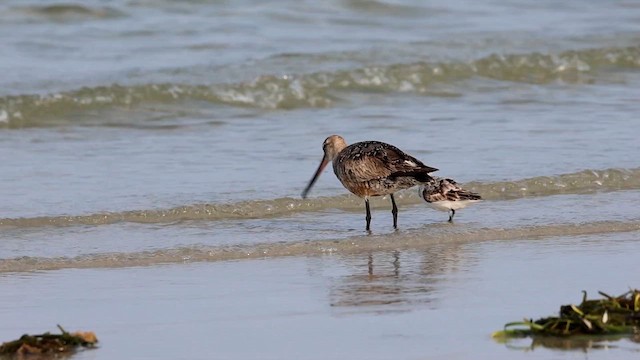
[
  {"x": 48, "y": 344},
  {"x": 611, "y": 316}
]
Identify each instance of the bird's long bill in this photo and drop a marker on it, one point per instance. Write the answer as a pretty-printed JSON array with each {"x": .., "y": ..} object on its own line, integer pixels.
[{"x": 315, "y": 177}]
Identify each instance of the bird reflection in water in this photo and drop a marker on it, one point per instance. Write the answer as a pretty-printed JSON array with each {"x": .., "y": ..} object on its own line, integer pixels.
[{"x": 394, "y": 281}]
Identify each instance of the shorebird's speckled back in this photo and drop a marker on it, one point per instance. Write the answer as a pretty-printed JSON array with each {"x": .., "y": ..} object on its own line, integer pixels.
[
  {"x": 445, "y": 190},
  {"x": 374, "y": 168},
  {"x": 371, "y": 168}
]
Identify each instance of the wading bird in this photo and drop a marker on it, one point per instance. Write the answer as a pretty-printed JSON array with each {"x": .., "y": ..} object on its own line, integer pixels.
[
  {"x": 371, "y": 168},
  {"x": 447, "y": 195}
]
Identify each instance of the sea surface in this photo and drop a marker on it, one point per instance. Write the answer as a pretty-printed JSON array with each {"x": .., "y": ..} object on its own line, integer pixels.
[{"x": 153, "y": 152}]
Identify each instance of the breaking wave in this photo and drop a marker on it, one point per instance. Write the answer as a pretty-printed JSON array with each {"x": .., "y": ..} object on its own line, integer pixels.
[
  {"x": 321, "y": 89},
  {"x": 416, "y": 239},
  {"x": 67, "y": 12},
  {"x": 587, "y": 181}
]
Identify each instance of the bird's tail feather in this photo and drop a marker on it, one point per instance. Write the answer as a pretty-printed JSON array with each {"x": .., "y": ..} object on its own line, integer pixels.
[{"x": 421, "y": 175}]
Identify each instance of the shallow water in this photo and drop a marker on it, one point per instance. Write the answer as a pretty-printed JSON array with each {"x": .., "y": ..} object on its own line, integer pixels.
[
  {"x": 437, "y": 302},
  {"x": 171, "y": 140}
]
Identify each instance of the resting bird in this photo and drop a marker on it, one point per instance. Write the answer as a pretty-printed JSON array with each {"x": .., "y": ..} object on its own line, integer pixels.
[
  {"x": 371, "y": 168},
  {"x": 446, "y": 195}
]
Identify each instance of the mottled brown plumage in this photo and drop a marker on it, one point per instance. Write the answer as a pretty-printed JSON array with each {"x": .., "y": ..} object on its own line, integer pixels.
[
  {"x": 447, "y": 195},
  {"x": 372, "y": 168}
]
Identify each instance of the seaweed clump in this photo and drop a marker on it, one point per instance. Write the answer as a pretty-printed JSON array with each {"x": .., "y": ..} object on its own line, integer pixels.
[
  {"x": 48, "y": 344},
  {"x": 611, "y": 315}
]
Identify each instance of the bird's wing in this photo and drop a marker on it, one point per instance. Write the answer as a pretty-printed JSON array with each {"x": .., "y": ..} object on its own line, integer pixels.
[
  {"x": 374, "y": 159},
  {"x": 446, "y": 190},
  {"x": 453, "y": 192}
]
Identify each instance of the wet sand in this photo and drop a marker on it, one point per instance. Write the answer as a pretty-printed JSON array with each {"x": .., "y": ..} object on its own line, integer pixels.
[{"x": 436, "y": 302}]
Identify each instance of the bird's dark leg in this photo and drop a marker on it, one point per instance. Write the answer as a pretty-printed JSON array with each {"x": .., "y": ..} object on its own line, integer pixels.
[
  {"x": 453, "y": 213},
  {"x": 366, "y": 203},
  {"x": 394, "y": 211}
]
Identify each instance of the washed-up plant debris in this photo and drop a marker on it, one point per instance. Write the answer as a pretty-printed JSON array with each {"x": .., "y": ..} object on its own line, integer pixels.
[
  {"x": 611, "y": 316},
  {"x": 48, "y": 344}
]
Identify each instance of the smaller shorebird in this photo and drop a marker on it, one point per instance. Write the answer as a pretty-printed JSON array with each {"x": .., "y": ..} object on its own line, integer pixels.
[
  {"x": 371, "y": 168},
  {"x": 447, "y": 195}
]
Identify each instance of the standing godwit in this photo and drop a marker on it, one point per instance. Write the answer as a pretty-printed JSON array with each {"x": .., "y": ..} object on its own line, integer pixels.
[
  {"x": 371, "y": 168},
  {"x": 447, "y": 195}
]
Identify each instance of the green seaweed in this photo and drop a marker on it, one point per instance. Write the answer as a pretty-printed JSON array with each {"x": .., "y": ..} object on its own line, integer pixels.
[{"x": 609, "y": 316}]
